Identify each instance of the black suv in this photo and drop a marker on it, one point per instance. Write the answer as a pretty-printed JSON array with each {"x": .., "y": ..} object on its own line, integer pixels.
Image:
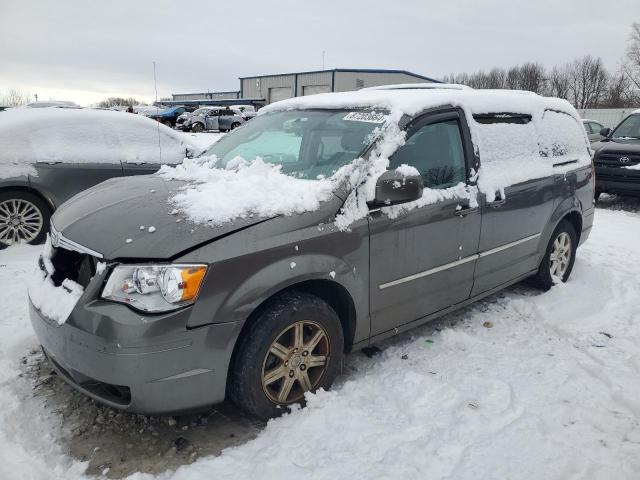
[{"x": 617, "y": 158}]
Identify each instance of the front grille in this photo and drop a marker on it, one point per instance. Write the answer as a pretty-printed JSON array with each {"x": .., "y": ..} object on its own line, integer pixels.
[
  {"x": 76, "y": 266},
  {"x": 613, "y": 159}
]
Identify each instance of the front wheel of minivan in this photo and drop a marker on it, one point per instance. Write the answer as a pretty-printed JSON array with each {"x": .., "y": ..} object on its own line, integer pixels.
[
  {"x": 294, "y": 346},
  {"x": 559, "y": 257}
]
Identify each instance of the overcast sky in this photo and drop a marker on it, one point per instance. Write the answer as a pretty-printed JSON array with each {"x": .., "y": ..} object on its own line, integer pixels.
[{"x": 87, "y": 50}]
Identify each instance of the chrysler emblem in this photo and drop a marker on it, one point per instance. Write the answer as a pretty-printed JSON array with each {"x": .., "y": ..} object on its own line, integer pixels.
[{"x": 624, "y": 160}]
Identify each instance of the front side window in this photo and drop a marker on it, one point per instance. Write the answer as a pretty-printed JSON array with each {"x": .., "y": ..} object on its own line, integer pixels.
[
  {"x": 629, "y": 128},
  {"x": 436, "y": 151},
  {"x": 308, "y": 144}
]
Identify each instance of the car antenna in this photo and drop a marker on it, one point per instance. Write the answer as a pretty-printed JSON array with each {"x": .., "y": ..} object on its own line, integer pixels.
[{"x": 155, "y": 87}]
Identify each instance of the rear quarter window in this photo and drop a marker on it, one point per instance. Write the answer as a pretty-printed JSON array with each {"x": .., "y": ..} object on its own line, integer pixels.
[{"x": 561, "y": 136}]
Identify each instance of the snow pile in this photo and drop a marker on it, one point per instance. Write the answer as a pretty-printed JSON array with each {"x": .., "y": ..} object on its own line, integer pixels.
[
  {"x": 243, "y": 189},
  {"x": 69, "y": 135},
  {"x": 53, "y": 302}
]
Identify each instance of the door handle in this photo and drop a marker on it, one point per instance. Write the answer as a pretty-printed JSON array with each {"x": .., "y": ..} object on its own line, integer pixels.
[
  {"x": 498, "y": 202},
  {"x": 464, "y": 209}
]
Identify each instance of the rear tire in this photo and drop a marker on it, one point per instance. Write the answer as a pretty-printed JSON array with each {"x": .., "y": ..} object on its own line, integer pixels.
[
  {"x": 559, "y": 257},
  {"x": 234, "y": 125},
  {"x": 295, "y": 345},
  {"x": 24, "y": 218}
]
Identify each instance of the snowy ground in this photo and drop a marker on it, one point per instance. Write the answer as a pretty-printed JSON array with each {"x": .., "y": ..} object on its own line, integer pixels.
[{"x": 521, "y": 385}]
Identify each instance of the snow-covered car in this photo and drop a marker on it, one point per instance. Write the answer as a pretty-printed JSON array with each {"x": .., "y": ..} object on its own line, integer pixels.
[
  {"x": 322, "y": 226},
  {"x": 52, "y": 104},
  {"x": 183, "y": 117},
  {"x": 50, "y": 154},
  {"x": 617, "y": 158},
  {"x": 218, "y": 118},
  {"x": 245, "y": 111}
]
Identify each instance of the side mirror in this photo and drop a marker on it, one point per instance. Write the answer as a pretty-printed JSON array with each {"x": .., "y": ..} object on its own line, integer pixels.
[
  {"x": 393, "y": 188},
  {"x": 605, "y": 132}
]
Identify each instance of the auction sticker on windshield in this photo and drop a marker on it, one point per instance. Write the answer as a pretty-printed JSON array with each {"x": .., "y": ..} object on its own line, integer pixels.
[{"x": 369, "y": 117}]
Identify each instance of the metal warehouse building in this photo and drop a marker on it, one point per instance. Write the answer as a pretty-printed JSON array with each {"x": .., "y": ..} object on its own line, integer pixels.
[
  {"x": 206, "y": 96},
  {"x": 272, "y": 88}
]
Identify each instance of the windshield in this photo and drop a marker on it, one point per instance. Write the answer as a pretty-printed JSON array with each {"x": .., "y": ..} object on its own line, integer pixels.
[
  {"x": 629, "y": 128},
  {"x": 308, "y": 144}
]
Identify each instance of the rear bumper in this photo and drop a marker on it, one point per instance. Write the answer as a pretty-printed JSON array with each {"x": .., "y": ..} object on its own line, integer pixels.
[
  {"x": 587, "y": 224},
  {"x": 158, "y": 372}
]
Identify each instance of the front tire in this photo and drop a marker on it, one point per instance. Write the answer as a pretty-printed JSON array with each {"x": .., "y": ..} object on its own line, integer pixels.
[
  {"x": 296, "y": 345},
  {"x": 197, "y": 127},
  {"x": 559, "y": 257},
  {"x": 24, "y": 218}
]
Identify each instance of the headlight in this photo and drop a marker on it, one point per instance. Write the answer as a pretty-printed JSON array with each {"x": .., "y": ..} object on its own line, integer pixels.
[{"x": 154, "y": 288}]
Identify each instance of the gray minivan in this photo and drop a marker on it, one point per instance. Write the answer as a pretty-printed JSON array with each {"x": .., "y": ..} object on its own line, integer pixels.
[{"x": 170, "y": 314}]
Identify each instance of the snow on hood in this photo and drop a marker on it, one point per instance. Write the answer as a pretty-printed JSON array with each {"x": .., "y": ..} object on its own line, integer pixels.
[
  {"x": 242, "y": 190},
  {"x": 83, "y": 135}
]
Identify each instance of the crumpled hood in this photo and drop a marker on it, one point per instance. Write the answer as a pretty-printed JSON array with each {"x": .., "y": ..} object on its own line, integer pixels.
[{"x": 103, "y": 218}]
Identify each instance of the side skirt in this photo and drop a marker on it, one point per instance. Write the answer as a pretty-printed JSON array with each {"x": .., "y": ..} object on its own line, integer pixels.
[{"x": 416, "y": 323}]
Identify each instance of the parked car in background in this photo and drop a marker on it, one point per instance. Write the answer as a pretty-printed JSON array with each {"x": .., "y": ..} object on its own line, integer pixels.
[
  {"x": 259, "y": 306},
  {"x": 217, "y": 118},
  {"x": 617, "y": 158},
  {"x": 147, "y": 110},
  {"x": 50, "y": 154},
  {"x": 3, "y": 108},
  {"x": 186, "y": 115},
  {"x": 593, "y": 130},
  {"x": 246, "y": 111},
  {"x": 169, "y": 115},
  {"x": 52, "y": 103}
]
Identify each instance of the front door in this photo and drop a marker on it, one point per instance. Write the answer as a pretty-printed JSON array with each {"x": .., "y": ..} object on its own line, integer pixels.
[{"x": 423, "y": 260}]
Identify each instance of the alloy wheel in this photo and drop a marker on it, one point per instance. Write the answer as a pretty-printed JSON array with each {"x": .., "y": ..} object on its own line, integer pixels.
[
  {"x": 20, "y": 221},
  {"x": 560, "y": 255},
  {"x": 296, "y": 361}
]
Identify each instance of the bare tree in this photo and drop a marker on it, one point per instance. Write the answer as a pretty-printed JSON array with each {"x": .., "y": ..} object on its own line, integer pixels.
[
  {"x": 619, "y": 92},
  {"x": 14, "y": 98},
  {"x": 118, "y": 102},
  {"x": 532, "y": 77},
  {"x": 512, "y": 78},
  {"x": 587, "y": 81},
  {"x": 558, "y": 83},
  {"x": 632, "y": 66}
]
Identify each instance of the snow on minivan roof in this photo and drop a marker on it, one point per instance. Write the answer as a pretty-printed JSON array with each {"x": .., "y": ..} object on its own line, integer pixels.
[
  {"x": 82, "y": 136},
  {"x": 411, "y": 101}
]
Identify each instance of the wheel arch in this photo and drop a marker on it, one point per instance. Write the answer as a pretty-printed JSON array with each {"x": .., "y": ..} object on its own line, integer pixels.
[
  {"x": 32, "y": 191},
  {"x": 332, "y": 292}
]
